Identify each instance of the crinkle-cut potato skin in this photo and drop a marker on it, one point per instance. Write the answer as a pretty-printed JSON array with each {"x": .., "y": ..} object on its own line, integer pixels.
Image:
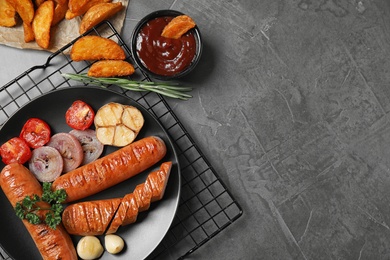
[
  {"x": 178, "y": 26},
  {"x": 80, "y": 7},
  {"x": 92, "y": 47},
  {"x": 117, "y": 124},
  {"x": 7, "y": 14},
  {"x": 110, "y": 68},
  {"x": 42, "y": 23},
  {"x": 97, "y": 14}
]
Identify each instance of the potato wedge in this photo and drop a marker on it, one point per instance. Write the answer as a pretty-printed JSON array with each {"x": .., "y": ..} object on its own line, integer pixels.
[
  {"x": 62, "y": 2},
  {"x": 178, "y": 26},
  {"x": 25, "y": 9},
  {"x": 97, "y": 14},
  {"x": 118, "y": 124},
  {"x": 110, "y": 68},
  {"x": 7, "y": 14},
  {"x": 38, "y": 2},
  {"x": 70, "y": 15},
  {"x": 42, "y": 23},
  {"x": 94, "y": 47},
  {"x": 80, "y": 7},
  {"x": 28, "y": 32},
  {"x": 60, "y": 9},
  {"x": 75, "y": 5}
]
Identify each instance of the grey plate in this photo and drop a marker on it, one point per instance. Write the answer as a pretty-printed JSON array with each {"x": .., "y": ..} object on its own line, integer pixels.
[{"x": 142, "y": 237}]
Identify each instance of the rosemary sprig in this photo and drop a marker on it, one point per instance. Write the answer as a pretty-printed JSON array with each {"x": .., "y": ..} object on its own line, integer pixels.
[{"x": 172, "y": 90}]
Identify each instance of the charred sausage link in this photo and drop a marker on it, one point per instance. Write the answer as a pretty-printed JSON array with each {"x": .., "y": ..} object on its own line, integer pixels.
[
  {"x": 81, "y": 218},
  {"x": 111, "y": 169},
  {"x": 17, "y": 182}
]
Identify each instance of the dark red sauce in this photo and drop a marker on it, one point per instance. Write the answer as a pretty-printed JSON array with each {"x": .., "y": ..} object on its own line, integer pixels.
[{"x": 161, "y": 55}]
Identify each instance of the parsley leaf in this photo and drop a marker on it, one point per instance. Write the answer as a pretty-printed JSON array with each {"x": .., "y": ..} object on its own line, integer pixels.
[
  {"x": 28, "y": 208},
  {"x": 33, "y": 218}
]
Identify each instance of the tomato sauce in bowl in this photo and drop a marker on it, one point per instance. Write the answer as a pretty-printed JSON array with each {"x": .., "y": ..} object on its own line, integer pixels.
[{"x": 161, "y": 57}]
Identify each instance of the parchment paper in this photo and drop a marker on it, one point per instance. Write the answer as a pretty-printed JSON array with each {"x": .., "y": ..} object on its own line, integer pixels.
[{"x": 61, "y": 34}]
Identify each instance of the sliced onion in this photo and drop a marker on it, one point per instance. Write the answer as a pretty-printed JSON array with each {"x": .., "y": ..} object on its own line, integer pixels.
[
  {"x": 46, "y": 163},
  {"x": 92, "y": 147},
  {"x": 69, "y": 148}
]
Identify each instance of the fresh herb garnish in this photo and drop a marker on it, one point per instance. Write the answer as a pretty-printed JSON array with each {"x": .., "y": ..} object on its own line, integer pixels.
[
  {"x": 166, "y": 89},
  {"x": 28, "y": 208}
]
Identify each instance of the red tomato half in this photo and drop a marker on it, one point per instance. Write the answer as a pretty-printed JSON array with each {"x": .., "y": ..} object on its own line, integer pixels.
[
  {"x": 80, "y": 115},
  {"x": 15, "y": 150},
  {"x": 35, "y": 132}
]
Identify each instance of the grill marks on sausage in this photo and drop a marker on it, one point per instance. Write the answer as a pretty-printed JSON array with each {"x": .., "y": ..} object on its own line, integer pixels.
[
  {"x": 100, "y": 172},
  {"x": 17, "y": 181},
  {"x": 111, "y": 169},
  {"x": 106, "y": 216},
  {"x": 42, "y": 232}
]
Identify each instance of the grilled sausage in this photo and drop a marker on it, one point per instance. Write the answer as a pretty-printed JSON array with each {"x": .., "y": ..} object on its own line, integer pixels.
[
  {"x": 17, "y": 182},
  {"x": 81, "y": 218},
  {"x": 96, "y": 219},
  {"x": 111, "y": 169}
]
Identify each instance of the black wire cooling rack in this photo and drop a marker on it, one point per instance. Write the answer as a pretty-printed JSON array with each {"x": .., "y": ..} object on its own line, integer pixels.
[{"x": 206, "y": 206}]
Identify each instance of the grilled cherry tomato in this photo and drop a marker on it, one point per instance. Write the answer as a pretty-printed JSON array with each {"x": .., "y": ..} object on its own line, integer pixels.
[
  {"x": 80, "y": 115},
  {"x": 15, "y": 150},
  {"x": 35, "y": 132}
]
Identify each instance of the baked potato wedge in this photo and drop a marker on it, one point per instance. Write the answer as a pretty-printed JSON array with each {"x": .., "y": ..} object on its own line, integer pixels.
[
  {"x": 92, "y": 47},
  {"x": 76, "y": 5},
  {"x": 41, "y": 24},
  {"x": 110, "y": 68},
  {"x": 60, "y": 9},
  {"x": 38, "y": 2},
  {"x": 80, "y": 7},
  {"x": 62, "y": 2},
  {"x": 117, "y": 124},
  {"x": 7, "y": 14},
  {"x": 178, "y": 26},
  {"x": 97, "y": 14},
  {"x": 25, "y": 9},
  {"x": 28, "y": 32}
]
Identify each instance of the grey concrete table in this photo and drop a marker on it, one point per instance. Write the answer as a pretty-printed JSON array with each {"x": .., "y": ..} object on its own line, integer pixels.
[{"x": 291, "y": 106}]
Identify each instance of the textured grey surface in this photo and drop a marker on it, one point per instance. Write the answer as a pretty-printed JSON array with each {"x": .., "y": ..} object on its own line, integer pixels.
[{"x": 291, "y": 106}]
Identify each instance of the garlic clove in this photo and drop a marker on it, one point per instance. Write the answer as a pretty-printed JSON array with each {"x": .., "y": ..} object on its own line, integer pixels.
[
  {"x": 113, "y": 243},
  {"x": 89, "y": 247}
]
